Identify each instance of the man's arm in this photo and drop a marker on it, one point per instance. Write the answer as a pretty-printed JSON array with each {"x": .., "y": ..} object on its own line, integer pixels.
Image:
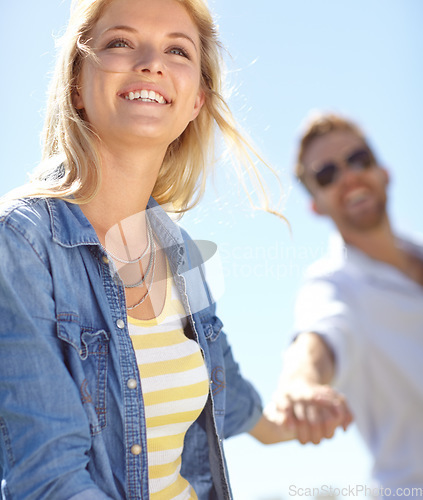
[{"x": 304, "y": 395}]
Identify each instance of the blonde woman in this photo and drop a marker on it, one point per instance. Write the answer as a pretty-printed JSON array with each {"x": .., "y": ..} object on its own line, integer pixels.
[{"x": 116, "y": 380}]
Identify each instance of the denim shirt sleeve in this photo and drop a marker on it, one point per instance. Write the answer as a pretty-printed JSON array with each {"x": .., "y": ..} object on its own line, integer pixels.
[
  {"x": 44, "y": 432},
  {"x": 243, "y": 403}
]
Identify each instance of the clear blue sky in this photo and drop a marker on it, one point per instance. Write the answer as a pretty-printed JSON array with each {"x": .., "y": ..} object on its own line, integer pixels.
[{"x": 361, "y": 57}]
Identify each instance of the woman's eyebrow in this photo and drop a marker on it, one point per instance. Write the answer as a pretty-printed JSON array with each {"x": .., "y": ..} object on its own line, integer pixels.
[
  {"x": 119, "y": 28},
  {"x": 183, "y": 35}
]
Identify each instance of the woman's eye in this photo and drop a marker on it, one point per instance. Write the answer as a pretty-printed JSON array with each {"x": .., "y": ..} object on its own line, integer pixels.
[
  {"x": 180, "y": 52},
  {"x": 117, "y": 44}
]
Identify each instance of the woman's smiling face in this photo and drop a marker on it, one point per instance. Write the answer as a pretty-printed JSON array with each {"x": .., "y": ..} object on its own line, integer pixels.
[{"x": 144, "y": 87}]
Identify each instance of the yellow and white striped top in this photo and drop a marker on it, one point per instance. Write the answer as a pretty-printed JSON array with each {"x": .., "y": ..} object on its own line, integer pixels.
[{"x": 175, "y": 385}]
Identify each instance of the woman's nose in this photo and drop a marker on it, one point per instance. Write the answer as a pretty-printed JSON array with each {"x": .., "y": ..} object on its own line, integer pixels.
[{"x": 149, "y": 60}]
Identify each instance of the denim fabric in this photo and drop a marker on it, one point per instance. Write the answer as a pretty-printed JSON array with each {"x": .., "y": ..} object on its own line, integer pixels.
[{"x": 68, "y": 419}]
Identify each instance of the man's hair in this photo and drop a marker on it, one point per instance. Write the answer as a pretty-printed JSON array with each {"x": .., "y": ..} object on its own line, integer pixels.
[{"x": 318, "y": 125}]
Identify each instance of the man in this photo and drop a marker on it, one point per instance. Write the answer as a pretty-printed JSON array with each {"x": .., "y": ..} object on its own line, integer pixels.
[{"x": 359, "y": 327}]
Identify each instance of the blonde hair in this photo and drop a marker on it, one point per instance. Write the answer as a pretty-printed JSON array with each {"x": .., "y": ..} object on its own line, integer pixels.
[
  {"x": 317, "y": 125},
  {"x": 181, "y": 180}
]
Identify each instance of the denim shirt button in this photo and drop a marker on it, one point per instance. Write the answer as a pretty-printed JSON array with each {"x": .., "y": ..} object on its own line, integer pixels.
[
  {"x": 135, "y": 449},
  {"x": 120, "y": 324},
  {"x": 132, "y": 383},
  {"x": 105, "y": 259}
]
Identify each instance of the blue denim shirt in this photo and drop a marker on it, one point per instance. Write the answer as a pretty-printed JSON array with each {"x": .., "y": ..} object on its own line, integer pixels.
[{"x": 68, "y": 417}]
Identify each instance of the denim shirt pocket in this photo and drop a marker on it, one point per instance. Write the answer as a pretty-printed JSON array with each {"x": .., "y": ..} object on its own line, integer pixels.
[
  {"x": 86, "y": 355},
  {"x": 212, "y": 329}
]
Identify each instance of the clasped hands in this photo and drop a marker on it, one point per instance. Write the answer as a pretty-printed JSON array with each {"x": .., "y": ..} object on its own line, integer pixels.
[{"x": 306, "y": 411}]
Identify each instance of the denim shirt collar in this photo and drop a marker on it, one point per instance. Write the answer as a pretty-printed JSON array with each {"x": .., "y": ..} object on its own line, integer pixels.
[{"x": 70, "y": 228}]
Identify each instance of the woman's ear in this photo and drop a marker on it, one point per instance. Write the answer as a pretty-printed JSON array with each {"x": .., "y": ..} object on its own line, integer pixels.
[
  {"x": 199, "y": 101},
  {"x": 77, "y": 100}
]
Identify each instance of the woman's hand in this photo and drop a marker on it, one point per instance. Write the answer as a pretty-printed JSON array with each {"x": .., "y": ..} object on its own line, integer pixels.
[{"x": 273, "y": 427}]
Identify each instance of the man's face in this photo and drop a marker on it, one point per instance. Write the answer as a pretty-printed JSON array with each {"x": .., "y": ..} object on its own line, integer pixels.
[{"x": 345, "y": 181}]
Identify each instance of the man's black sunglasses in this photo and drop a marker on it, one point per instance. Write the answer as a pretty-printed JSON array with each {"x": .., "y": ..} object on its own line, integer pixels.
[{"x": 360, "y": 159}]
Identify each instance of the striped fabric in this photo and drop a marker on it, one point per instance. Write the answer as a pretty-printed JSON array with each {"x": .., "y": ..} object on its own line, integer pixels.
[{"x": 175, "y": 388}]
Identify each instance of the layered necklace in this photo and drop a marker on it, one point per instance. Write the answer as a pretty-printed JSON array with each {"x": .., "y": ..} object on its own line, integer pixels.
[{"x": 148, "y": 277}]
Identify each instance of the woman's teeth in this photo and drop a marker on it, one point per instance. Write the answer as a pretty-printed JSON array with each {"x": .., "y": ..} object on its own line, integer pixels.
[{"x": 146, "y": 96}]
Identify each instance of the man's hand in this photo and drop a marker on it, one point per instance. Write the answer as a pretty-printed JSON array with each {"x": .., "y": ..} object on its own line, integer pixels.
[{"x": 313, "y": 411}]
